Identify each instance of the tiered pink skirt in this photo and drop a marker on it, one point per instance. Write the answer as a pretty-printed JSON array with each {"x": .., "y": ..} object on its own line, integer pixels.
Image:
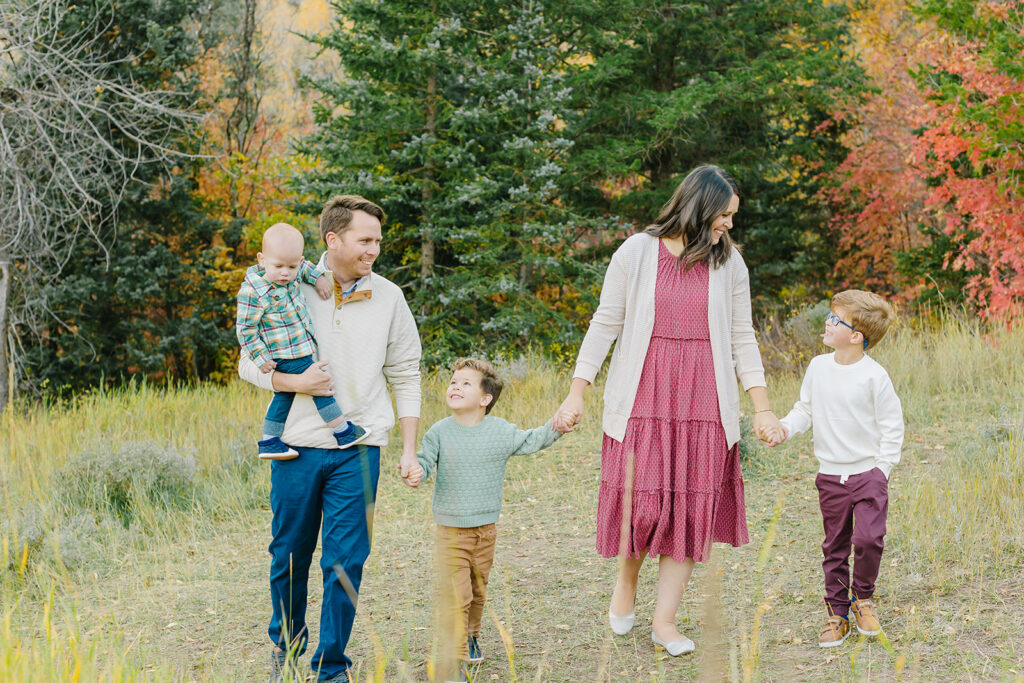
[{"x": 672, "y": 486}]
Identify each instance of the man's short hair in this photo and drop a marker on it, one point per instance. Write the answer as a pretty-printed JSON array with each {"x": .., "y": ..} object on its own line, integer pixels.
[
  {"x": 491, "y": 383},
  {"x": 869, "y": 313},
  {"x": 337, "y": 214}
]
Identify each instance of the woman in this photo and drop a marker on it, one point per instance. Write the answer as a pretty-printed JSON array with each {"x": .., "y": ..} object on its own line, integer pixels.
[{"x": 676, "y": 300}]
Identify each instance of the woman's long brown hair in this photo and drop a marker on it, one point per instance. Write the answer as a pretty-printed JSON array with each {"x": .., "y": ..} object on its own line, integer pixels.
[{"x": 703, "y": 195}]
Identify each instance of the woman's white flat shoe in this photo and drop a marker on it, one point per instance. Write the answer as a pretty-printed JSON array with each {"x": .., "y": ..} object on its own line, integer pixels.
[
  {"x": 621, "y": 625},
  {"x": 675, "y": 647}
]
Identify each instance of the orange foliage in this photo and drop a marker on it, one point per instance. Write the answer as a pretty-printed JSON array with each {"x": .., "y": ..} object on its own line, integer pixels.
[
  {"x": 971, "y": 148},
  {"x": 879, "y": 176},
  {"x": 943, "y": 155}
]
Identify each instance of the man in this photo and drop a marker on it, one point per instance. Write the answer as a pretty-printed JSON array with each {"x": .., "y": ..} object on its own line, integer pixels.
[{"x": 366, "y": 339}]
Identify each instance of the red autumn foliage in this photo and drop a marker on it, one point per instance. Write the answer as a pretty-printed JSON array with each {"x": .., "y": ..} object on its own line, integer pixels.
[{"x": 939, "y": 147}]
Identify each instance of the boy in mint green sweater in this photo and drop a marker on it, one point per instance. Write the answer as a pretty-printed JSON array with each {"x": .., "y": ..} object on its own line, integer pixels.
[{"x": 468, "y": 451}]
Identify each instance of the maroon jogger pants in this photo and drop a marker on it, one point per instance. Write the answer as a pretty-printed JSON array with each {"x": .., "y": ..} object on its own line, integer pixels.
[{"x": 854, "y": 512}]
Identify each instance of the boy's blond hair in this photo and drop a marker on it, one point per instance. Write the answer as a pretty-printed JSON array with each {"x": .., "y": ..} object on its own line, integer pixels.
[
  {"x": 869, "y": 313},
  {"x": 491, "y": 382}
]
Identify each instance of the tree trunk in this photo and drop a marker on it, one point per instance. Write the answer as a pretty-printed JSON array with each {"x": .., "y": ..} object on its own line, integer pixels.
[
  {"x": 427, "y": 246},
  {"x": 666, "y": 51},
  {"x": 5, "y": 382}
]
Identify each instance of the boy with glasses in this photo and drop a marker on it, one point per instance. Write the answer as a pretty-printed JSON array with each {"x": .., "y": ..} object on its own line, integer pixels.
[{"x": 858, "y": 434}]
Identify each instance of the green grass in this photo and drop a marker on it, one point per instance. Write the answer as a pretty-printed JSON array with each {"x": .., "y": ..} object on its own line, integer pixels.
[{"x": 177, "y": 590}]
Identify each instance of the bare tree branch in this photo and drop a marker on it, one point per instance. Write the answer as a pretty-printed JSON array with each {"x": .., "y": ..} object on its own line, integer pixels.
[{"x": 74, "y": 134}]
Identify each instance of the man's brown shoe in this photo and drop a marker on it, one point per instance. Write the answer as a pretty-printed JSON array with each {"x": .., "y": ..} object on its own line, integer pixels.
[
  {"x": 867, "y": 622},
  {"x": 834, "y": 632}
]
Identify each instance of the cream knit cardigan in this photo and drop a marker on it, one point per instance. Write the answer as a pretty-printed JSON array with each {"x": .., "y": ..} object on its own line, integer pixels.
[
  {"x": 369, "y": 345},
  {"x": 625, "y": 315}
]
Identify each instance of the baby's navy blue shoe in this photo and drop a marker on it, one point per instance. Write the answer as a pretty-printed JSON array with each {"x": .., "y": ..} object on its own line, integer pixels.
[
  {"x": 275, "y": 449},
  {"x": 350, "y": 436}
]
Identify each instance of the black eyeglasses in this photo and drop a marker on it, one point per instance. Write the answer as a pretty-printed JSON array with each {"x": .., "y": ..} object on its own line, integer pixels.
[{"x": 836, "y": 320}]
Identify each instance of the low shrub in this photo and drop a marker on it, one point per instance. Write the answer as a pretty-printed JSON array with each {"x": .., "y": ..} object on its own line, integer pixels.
[
  {"x": 789, "y": 345},
  {"x": 117, "y": 478},
  {"x": 23, "y": 534},
  {"x": 32, "y": 537},
  {"x": 75, "y": 540}
]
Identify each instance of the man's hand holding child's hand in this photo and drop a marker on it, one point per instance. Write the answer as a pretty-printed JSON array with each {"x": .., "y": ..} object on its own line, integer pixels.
[
  {"x": 325, "y": 286},
  {"x": 412, "y": 477},
  {"x": 412, "y": 473},
  {"x": 268, "y": 366}
]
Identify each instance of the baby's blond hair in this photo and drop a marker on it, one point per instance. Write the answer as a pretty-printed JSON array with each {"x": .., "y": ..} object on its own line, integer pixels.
[{"x": 868, "y": 313}]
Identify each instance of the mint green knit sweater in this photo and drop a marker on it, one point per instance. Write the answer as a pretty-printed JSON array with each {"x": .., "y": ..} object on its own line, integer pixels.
[{"x": 470, "y": 466}]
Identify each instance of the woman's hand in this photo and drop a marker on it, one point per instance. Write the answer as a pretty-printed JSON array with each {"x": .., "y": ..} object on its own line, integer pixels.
[
  {"x": 767, "y": 427},
  {"x": 570, "y": 412}
]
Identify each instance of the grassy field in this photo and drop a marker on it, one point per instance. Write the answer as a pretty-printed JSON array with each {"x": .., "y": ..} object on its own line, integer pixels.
[{"x": 135, "y": 527}]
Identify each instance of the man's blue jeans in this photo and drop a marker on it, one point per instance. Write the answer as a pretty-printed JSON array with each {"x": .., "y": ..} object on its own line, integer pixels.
[
  {"x": 281, "y": 404},
  {"x": 341, "y": 486}
]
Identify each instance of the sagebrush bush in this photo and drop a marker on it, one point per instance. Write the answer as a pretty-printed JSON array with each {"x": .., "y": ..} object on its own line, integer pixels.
[
  {"x": 789, "y": 345},
  {"x": 34, "y": 536},
  {"x": 24, "y": 532},
  {"x": 1005, "y": 427},
  {"x": 117, "y": 478},
  {"x": 74, "y": 540}
]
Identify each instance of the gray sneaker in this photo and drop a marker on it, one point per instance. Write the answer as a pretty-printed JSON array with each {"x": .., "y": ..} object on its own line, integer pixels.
[{"x": 282, "y": 668}]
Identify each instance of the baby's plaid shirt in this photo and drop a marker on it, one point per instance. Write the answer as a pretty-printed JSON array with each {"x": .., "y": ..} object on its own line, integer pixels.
[{"x": 272, "y": 320}]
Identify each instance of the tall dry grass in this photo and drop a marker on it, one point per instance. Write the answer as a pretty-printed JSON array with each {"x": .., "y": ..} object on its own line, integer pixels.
[{"x": 960, "y": 521}]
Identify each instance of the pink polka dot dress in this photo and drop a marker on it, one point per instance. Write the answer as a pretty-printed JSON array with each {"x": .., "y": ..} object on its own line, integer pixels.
[{"x": 687, "y": 488}]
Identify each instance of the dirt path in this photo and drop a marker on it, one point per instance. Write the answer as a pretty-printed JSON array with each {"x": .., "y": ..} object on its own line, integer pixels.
[{"x": 202, "y": 605}]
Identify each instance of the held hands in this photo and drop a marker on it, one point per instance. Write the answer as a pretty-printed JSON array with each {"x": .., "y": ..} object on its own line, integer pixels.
[
  {"x": 568, "y": 414},
  {"x": 409, "y": 468},
  {"x": 769, "y": 429},
  {"x": 565, "y": 422},
  {"x": 268, "y": 366},
  {"x": 325, "y": 286},
  {"x": 775, "y": 437}
]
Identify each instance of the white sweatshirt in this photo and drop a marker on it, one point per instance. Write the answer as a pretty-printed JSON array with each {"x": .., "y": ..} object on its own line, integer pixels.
[
  {"x": 369, "y": 343},
  {"x": 857, "y": 417}
]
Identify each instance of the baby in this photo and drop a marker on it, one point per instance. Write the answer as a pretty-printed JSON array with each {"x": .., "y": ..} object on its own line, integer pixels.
[{"x": 274, "y": 329}]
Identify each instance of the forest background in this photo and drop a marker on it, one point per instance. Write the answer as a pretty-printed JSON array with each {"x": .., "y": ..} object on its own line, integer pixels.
[{"x": 145, "y": 145}]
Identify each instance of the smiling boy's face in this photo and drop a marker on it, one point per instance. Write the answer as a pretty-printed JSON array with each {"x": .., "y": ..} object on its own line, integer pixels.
[
  {"x": 465, "y": 393},
  {"x": 838, "y": 335}
]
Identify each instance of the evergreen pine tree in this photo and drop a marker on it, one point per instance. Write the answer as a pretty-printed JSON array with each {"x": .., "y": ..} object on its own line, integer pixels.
[
  {"x": 741, "y": 84},
  {"x": 451, "y": 115}
]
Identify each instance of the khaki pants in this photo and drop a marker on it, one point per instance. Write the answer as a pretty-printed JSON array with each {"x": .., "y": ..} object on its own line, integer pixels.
[{"x": 464, "y": 559}]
